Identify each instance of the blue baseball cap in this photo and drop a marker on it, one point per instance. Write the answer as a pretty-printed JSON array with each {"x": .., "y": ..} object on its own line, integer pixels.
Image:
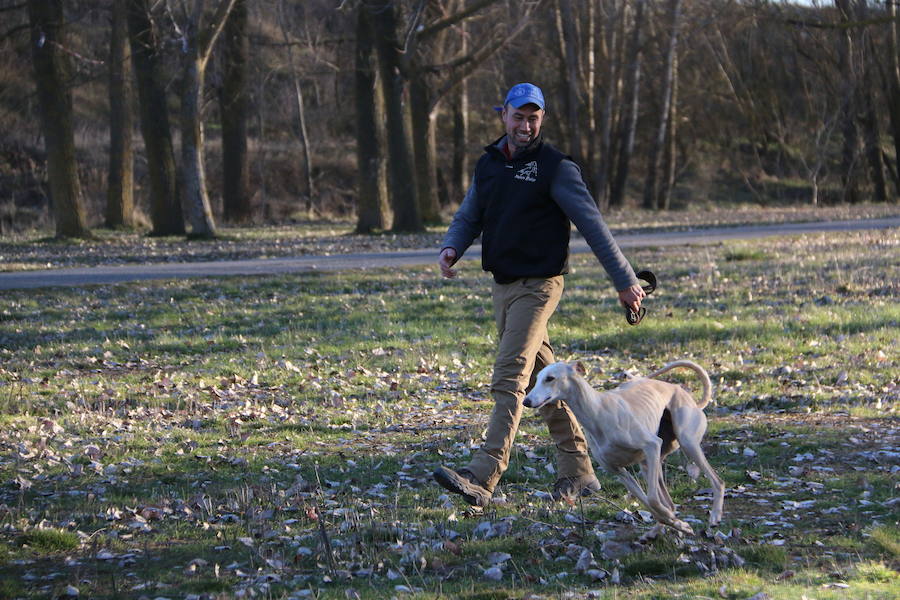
[{"x": 524, "y": 93}]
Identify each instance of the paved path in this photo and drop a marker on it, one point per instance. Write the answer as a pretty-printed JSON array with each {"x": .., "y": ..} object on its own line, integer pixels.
[{"x": 82, "y": 276}]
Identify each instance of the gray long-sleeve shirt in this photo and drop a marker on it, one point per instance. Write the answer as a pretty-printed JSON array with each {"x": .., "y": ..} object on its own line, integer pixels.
[{"x": 569, "y": 191}]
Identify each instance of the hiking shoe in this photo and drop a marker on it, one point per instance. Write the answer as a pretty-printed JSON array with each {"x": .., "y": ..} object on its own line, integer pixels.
[
  {"x": 570, "y": 487},
  {"x": 463, "y": 483}
]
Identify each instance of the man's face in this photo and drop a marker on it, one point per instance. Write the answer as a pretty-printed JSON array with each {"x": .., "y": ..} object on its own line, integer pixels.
[{"x": 522, "y": 124}]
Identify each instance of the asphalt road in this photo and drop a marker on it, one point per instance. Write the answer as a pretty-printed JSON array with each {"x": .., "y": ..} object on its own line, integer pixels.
[{"x": 84, "y": 276}]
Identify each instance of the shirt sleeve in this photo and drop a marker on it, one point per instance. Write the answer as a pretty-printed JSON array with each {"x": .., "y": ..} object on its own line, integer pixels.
[
  {"x": 466, "y": 224},
  {"x": 571, "y": 194}
]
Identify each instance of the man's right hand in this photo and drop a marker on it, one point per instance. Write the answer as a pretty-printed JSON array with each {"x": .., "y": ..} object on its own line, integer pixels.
[{"x": 446, "y": 260}]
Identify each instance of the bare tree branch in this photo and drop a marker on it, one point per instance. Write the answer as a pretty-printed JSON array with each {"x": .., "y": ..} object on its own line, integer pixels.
[{"x": 446, "y": 22}]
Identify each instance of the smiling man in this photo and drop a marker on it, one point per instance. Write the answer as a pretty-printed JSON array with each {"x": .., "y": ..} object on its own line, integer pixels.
[{"x": 523, "y": 196}]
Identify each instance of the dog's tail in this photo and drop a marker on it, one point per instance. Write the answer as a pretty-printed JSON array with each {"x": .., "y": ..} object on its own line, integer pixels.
[{"x": 704, "y": 377}]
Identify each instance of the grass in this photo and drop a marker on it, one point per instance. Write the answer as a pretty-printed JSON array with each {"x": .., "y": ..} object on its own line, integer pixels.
[{"x": 277, "y": 434}]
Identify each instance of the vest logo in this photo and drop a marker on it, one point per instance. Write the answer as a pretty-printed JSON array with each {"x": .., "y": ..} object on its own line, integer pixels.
[{"x": 528, "y": 172}]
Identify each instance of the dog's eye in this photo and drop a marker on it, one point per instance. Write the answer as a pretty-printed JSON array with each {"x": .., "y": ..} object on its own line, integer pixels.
[{"x": 549, "y": 378}]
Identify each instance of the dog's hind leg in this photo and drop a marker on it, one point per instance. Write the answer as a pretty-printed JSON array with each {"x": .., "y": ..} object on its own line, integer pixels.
[{"x": 690, "y": 431}]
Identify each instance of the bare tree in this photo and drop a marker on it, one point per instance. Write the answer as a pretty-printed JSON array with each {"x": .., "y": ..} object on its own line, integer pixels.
[
  {"x": 165, "y": 200},
  {"x": 651, "y": 188},
  {"x": 892, "y": 91},
  {"x": 52, "y": 72},
  {"x": 235, "y": 114},
  {"x": 628, "y": 126},
  {"x": 120, "y": 182},
  {"x": 372, "y": 204},
  {"x": 869, "y": 117},
  {"x": 568, "y": 50},
  {"x": 199, "y": 28},
  {"x": 301, "y": 110},
  {"x": 407, "y": 216}
]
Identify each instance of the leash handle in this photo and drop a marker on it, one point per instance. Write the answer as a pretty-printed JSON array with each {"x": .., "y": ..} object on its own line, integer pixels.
[{"x": 635, "y": 317}]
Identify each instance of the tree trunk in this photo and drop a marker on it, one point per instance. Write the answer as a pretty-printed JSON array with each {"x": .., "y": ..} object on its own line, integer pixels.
[
  {"x": 372, "y": 206},
  {"x": 850, "y": 147},
  {"x": 235, "y": 114},
  {"x": 611, "y": 20},
  {"x": 651, "y": 191},
  {"x": 628, "y": 129},
  {"x": 402, "y": 181},
  {"x": 869, "y": 120},
  {"x": 669, "y": 160},
  {"x": 423, "y": 148},
  {"x": 165, "y": 199},
  {"x": 51, "y": 75},
  {"x": 460, "y": 109},
  {"x": 301, "y": 114},
  {"x": 193, "y": 174},
  {"x": 892, "y": 91},
  {"x": 569, "y": 53},
  {"x": 120, "y": 184}
]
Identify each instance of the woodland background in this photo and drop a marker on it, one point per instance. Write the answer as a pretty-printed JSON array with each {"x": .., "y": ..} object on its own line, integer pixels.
[{"x": 179, "y": 116}]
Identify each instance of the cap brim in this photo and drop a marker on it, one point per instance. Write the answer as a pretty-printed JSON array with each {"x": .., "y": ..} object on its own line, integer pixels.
[{"x": 523, "y": 100}]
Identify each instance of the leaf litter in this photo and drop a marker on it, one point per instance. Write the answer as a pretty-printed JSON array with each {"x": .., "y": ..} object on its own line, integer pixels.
[{"x": 353, "y": 503}]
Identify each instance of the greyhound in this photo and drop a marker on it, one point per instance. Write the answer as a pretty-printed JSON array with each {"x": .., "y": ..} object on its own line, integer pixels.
[{"x": 641, "y": 421}]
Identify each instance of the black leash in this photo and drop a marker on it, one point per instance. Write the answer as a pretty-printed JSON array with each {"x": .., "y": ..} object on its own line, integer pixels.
[{"x": 635, "y": 317}]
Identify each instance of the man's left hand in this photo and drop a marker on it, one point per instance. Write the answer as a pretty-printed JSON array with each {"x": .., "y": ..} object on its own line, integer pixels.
[{"x": 631, "y": 297}]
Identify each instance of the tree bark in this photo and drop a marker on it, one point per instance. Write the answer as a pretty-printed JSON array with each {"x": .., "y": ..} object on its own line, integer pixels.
[
  {"x": 372, "y": 206},
  {"x": 870, "y": 121},
  {"x": 568, "y": 43},
  {"x": 669, "y": 160},
  {"x": 402, "y": 180},
  {"x": 165, "y": 199},
  {"x": 628, "y": 129},
  {"x": 892, "y": 91},
  {"x": 850, "y": 147},
  {"x": 235, "y": 114},
  {"x": 199, "y": 35},
  {"x": 611, "y": 20},
  {"x": 51, "y": 74},
  {"x": 301, "y": 114},
  {"x": 651, "y": 188},
  {"x": 423, "y": 136},
  {"x": 460, "y": 113},
  {"x": 120, "y": 182},
  {"x": 193, "y": 174}
]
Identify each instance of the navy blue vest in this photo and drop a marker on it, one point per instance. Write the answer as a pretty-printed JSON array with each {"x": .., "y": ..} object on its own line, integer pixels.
[{"x": 524, "y": 233}]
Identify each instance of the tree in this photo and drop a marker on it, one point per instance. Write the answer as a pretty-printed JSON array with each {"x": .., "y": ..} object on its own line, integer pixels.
[
  {"x": 651, "y": 188},
  {"x": 628, "y": 126},
  {"x": 51, "y": 74},
  {"x": 165, "y": 200},
  {"x": 301, "y": 111},
  {"x": 568, "y": 44},
  {"x": 234, "y": 113},
  {"x": 120, "y": 183},
  {"x": 199, "y": 29},
  {"x": 372, "y": 204},
  {"x": 407, "y": 217}
]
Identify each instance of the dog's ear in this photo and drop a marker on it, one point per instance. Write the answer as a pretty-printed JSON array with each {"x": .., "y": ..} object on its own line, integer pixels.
[{"x": 579, "y": 368}]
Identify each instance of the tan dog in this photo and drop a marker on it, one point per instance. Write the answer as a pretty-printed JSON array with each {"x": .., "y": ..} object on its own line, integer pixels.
[{"x": 641, "y": 421}]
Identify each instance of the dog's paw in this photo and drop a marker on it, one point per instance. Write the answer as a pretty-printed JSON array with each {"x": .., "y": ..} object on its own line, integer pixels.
[{"x": 682, "y": 527}]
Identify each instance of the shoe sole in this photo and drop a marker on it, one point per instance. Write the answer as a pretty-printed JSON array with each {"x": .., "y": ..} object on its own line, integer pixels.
[{"x": 456, "y": 484}]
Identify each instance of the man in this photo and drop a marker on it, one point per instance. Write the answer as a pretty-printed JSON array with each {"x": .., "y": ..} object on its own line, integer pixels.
[{"x": 524, "y": 194}]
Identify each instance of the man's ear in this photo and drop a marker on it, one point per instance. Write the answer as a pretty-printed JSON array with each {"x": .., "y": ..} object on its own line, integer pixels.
[{"x": 579, "y": 368}]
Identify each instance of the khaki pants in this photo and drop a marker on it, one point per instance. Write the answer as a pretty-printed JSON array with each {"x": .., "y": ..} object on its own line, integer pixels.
[{"x": 522, "y": 310}]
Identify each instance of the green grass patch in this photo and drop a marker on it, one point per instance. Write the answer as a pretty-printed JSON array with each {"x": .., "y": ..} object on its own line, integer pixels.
[{"x": 278, "y": 434}]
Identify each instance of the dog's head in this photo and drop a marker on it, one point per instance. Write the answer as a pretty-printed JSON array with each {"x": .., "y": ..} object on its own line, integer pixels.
[{"x": 551, "y": 384}]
